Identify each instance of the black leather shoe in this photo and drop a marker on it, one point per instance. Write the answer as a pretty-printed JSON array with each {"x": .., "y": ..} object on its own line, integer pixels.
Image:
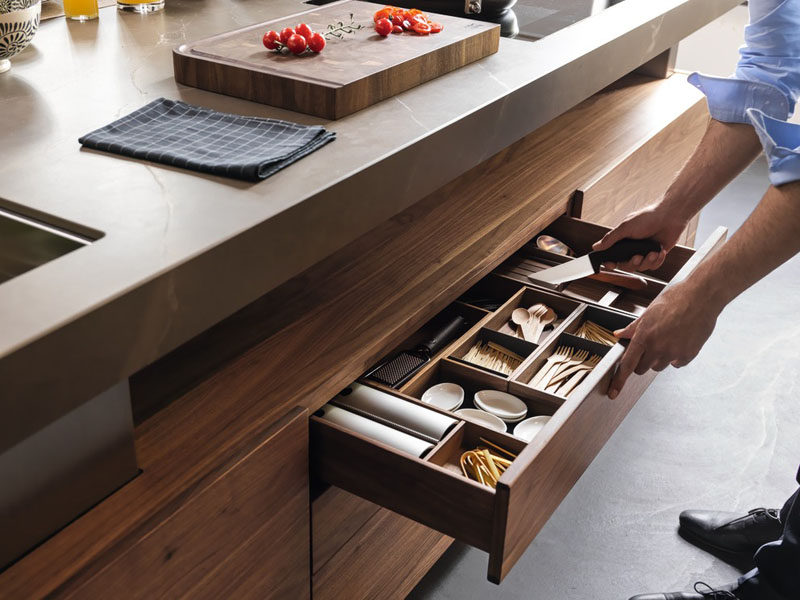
[
  {"x": 732, "y": 532},
  {"x": 702, "y": 592}
]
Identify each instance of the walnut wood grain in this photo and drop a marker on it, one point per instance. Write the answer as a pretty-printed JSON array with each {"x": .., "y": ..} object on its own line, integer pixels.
[
  {"x": 336, "y": 516},
  {"x": 410, "y": 486},
  {"x": 546, "y": 470},
  {"x": 244, "y": 535},
  {"x": 642, "y": 177},
  {"x": 316, "y": 334},
  {"x": 351, "y": 73},
  {"x": 384, "y": 560}
]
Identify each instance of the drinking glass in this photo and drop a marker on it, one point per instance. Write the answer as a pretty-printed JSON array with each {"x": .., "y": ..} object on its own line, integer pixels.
[
  {"x": 140, "y": 6},
  {"x": 80, "y": 10}
]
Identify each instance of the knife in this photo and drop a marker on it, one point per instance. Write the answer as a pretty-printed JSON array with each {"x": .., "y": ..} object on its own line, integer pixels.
[{"x": 589, "y": 264}]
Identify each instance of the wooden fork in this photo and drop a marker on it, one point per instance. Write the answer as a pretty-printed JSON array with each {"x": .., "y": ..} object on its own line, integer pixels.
[
  {"x": 562, "y": 375},
  {"x": 576, "y": 359},
  {"x": 566, "y": 388},
  {"x": 562, "y": 353}
]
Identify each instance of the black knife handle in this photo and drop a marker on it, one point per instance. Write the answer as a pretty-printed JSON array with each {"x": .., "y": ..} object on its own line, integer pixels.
[
  {"x": 623, "y": 251},
  {"x": 444, "y": 336}
]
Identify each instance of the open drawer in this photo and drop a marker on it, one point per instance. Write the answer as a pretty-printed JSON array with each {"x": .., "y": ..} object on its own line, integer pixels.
[{"x": 433, "y": 490}]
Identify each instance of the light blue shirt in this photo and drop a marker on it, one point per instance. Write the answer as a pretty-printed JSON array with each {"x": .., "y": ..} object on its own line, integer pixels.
[{"x": 766, "y": 86}]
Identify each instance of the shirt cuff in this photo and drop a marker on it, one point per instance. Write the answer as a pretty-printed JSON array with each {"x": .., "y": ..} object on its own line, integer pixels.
[
  {"x": 781, "y": 141},
  {"x": 729, "y": 98}
]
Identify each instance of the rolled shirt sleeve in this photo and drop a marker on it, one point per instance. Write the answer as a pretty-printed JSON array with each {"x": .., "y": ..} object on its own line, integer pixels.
[
  {"x": 781, "y": 141},
  {"x": 767, "y": 77}
]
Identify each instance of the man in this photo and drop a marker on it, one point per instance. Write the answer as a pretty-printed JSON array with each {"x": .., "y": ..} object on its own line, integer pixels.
[{"x": 748, "y": 111}]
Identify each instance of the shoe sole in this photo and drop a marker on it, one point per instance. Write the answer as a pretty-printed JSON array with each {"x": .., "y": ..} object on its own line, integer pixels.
[{"x": 697, "y": 540}]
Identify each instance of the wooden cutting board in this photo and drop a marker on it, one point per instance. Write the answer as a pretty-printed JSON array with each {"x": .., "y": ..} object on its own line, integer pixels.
[{"x": 349, "y": 74}]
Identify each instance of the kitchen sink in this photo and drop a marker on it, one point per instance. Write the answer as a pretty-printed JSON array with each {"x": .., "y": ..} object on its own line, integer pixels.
[{"x": 26, "y": 244}]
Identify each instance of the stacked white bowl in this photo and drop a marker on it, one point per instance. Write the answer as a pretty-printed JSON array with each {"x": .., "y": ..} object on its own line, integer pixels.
[{"x": 505, "y": 406}]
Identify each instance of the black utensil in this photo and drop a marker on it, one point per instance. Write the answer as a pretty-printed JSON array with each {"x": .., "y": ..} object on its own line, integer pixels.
[{"x": 398, "y": 369}]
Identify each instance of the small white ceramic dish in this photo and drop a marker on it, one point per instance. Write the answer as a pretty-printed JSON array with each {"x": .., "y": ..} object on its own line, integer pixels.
[
  {"x": 527, "y": 429},
  {"x": 500, "y": 404},
  {"x": 481, "y": 417},
  {"x": 447, "y": 396}
]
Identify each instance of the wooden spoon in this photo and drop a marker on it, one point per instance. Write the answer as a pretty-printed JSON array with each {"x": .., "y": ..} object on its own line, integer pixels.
[
  {"x": 522, "y": 318},
  {"x": 546, "y": 315}
]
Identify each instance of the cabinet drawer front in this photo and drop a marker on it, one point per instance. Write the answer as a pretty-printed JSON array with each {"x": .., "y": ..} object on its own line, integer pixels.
[
  {"x": 244, "y": 535},
  {"x": 504, "y": 520}
]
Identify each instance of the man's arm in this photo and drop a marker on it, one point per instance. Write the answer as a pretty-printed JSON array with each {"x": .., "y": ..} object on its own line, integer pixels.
[
  {"x": 677, "y": 324},
  {"x": 725, "y": 150}
]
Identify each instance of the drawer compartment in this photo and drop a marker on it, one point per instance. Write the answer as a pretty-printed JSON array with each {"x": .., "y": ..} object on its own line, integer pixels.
[{"x": 432, "y": 489}]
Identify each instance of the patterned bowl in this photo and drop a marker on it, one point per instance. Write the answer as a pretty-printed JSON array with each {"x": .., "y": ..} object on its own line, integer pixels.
[{"x": 19, "y": 20}]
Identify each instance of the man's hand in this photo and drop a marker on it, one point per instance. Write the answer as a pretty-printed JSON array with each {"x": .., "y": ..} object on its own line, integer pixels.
[
  {"x": 654, "y": 222},
  {"x": 671, "y": 331}
]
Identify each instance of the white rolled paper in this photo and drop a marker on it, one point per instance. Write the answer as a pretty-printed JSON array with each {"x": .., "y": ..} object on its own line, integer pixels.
[
  {"x": 372, "y": 429},
  {"x": 395, "y": 412}
]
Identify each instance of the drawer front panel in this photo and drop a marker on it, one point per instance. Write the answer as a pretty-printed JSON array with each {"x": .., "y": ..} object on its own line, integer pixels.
[
  {"x": 245, "y": 535},
  {"x": 395, "y": 480},
  {"x": 551, "y": 464}
]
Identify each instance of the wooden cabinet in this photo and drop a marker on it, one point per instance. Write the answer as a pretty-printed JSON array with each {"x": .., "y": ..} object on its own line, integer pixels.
[
  {"x": 240, "y": 531},
  {"x": 503, "y": 521},
  {"x": 245, "y": 534},
  {"x": 221, "y": 505}
]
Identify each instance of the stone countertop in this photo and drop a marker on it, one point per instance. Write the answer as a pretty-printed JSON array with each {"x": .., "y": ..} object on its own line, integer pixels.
[{"x": 177, "y": 251}]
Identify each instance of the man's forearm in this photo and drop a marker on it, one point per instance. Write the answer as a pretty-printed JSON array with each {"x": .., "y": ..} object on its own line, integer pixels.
[
  {"x": 768, "y": 238},
  {"x": 725, "y": 151}
]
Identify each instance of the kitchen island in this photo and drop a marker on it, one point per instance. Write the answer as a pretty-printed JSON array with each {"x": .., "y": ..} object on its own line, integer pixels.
[{"x": 238, "y": 309}]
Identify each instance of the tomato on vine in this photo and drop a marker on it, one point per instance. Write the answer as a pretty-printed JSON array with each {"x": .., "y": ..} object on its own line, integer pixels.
[{"x": 383, "y": 27}]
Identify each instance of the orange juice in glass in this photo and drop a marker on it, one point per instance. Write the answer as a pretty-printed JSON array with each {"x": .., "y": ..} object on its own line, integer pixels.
[
  {"x": 140, "y": 6},
  {"x": 80, "y": 10}
]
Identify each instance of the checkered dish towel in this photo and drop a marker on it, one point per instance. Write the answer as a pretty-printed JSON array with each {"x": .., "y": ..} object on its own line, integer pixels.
[{"x": 201, "y": 139}]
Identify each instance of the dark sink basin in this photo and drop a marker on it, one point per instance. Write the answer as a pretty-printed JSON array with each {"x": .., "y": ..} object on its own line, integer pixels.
[{"x": 26, "y": 244}]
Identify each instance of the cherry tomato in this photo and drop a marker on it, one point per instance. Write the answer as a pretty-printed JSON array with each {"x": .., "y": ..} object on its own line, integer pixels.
[
  {"x": 436, "y": 27},
  {"x": 286, "y": 34},
  {"x": 397, "y": 19},
  {"x": 297, "y": 44},
  {"x": 303, "y": 30},
  {"x": 419, "y": 18},
  {"x": 316, "y": 42},
  {"x": 407, "y": 25},
  {"x": 383, "y": 27},
  {"x": 421, "y": 28},
  {"x": 270, "y": 39},
  {"x": 384, "y": 13},
  {"x": 397, "y": 29}
]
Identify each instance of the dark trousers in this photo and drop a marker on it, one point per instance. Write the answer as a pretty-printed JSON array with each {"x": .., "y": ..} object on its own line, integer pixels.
[{"x": 778, "y": 562}]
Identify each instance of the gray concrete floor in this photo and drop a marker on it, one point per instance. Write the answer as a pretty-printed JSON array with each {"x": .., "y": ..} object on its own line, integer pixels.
[{"x": 723, "y": 432}]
